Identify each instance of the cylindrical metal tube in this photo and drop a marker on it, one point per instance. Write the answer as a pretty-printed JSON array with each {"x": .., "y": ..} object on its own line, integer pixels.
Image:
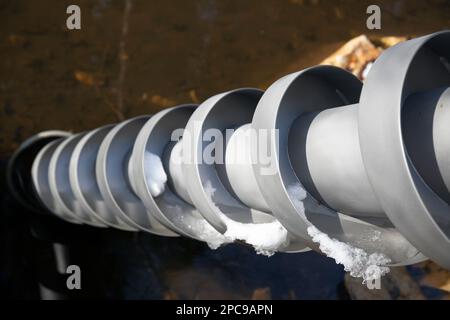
[
  {"x": 239, "y": 170},
  {"x": 426, "y": 131},
  {"x": 173, "y": 161},
  {"x": 339, "y": 160},
  {"x": 325, "y": 154}
]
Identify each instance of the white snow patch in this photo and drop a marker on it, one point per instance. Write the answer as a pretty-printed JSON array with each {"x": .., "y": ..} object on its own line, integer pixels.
[
  {"x": 201, "y": 228},
  {"x": 154, "y": 174},
  {"x": 212, "y": 237},
  {"x": 298, "y": 195},
  {"x": 266, "y": 238},
  {"x": 356, "y": 261}
]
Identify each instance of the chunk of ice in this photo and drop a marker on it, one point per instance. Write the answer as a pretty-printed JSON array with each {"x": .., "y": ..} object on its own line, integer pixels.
[
  {"x": 266, "y": 238},
  {"x": 200, "y": 227},
  {"x": 356, "y": 261}
]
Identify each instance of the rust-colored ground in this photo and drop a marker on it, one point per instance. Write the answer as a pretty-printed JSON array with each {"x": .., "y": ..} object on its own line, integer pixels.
[{"x": 175, "y": 52}]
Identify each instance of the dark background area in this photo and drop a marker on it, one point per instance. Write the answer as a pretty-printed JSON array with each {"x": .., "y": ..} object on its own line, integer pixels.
[
  {"x": 125, "y": 265},
  {"x": 173, "y": 52}
]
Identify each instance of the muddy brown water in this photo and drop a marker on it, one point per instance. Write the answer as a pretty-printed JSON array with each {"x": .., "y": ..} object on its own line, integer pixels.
[{"x": 174, "y": 52}]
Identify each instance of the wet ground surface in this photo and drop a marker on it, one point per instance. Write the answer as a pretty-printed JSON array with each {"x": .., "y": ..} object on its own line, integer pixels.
[{"x": 174, "y": 52}]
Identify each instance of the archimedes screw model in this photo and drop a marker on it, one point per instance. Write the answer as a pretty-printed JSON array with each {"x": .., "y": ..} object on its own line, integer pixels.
[{"x": 317, "y": 161}]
